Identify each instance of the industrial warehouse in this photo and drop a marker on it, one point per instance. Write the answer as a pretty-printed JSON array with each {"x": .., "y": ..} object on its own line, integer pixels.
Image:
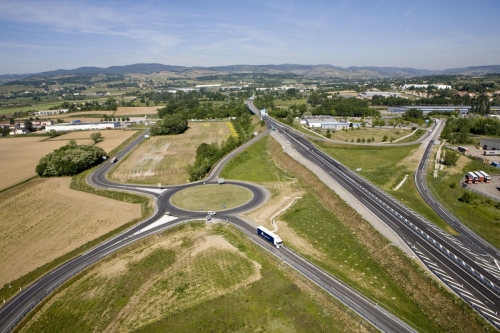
[
  {"x": 78, "y": 126},
  {"x": 327, "y": 122}
]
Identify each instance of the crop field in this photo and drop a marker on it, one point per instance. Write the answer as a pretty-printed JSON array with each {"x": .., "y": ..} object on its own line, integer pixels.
[
  {"x": 111, "y": 138},
  {"x": 44, "y": 219},
  {"x": 72, "y": 115},
  {"x": 20, "y": 157},
  {"x": 164, "y": 159},
  {"x": 193, "y": 278},
  {"x": 137, "y": 111}
]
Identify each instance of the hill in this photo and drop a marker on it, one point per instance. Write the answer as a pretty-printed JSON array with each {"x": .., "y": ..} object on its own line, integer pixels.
[{"x": 322, "y": 70}]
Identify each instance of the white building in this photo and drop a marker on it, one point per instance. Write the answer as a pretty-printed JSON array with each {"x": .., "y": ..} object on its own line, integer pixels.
[
  {"x": 83, "y": 126},
  {"x": 328, "y": 122},
  {"x": 424, "y": 86},
  {"x": 370, "y": 94},
  {"x": 52, "y": 112}
]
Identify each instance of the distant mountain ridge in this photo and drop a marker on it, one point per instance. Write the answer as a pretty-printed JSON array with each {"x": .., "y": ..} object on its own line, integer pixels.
[{"x": 324, "y": 70}]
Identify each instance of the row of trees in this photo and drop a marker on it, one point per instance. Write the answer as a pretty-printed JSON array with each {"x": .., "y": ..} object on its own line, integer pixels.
[{"x": 458, "y": 130}]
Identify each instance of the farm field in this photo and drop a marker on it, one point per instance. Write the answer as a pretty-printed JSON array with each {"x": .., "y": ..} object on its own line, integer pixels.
[
  {"x": 44, "y": 219},
  {"x": 71, "y": 115},
  {"x": 193, "y": 278},
  {"x": 21, "y": 155},
  {"x": 111, "y": 138},
  {"x": 164, "y": 159},
  {"x": 135, "y": 111}
]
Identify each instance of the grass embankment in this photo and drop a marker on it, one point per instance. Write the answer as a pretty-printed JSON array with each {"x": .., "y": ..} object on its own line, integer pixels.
[
  {"x": 386, "y": 167},
  {"x": 192, "y": 278},
  {"x": 481, "y": 215},
  {"x": 211, "y": 197},
  {"x": 340, "y": 241},
  {"x": 253, "y": 164}
]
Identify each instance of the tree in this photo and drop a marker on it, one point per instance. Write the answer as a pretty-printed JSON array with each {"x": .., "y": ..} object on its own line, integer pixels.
[
  {"x": 96, "y": 137},
  {"x": 170, "y": 124},
  {"x": 450, "y": 158},
  {"x": 53, "y": 133},
  {"x": 69, "y": 160},
  {"x": 28, "y": 125}
]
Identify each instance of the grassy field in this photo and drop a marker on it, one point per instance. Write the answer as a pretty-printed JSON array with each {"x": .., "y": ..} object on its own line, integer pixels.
[
  {"x": 368, "y": 132},
  {"x": 44, "y": 219},
  {"x": 253, "y": 164},
  {"x": 481, "y": 215},
  {"x": 164, "y": 159},
  {"x": 111, "y": 138},
  {"x": 386, "y": 167},
  {"x": 137, "y": 111},
  {"x": 211, "y": 197},
  {"x": 193, "y": 278},
  {"x": 347, "y": 246}
]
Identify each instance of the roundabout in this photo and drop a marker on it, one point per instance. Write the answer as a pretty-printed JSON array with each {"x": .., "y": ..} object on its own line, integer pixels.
[{"x": 211, "y": 197}]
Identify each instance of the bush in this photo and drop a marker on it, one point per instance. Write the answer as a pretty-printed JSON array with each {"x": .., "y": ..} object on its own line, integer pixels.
[
  {"x": 467, "y": 197},
  {"x": 453, "y": 185},
  {"x": 69, "y": 160}
]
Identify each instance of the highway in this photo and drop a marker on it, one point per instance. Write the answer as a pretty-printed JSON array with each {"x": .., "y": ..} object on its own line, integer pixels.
[
  {"x": 466, "y": 272},
  {"x": 452, "y": 267},
  {"x": 471, "y": 238}
]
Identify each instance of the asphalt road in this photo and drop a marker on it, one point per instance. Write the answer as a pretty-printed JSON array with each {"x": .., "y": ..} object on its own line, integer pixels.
[
  {"x": 25, "y": 301},
  {"x": 469, "y": 237},
  {"x": 465, "y": 271}
]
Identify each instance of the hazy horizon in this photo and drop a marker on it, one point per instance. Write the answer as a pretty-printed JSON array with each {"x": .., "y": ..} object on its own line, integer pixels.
[{"x": 44, "y": 35}]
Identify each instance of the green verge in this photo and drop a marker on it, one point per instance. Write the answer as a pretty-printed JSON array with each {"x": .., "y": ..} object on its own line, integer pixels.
[
  {"x": 381, "y": 165},
  {"x": 353, "y": 251},
  {"x": 274, "y": 303},
  {"x": 78, "y": 183},
  {"x": 253, "y": 164},
  {"x": 482, "y": 215}
]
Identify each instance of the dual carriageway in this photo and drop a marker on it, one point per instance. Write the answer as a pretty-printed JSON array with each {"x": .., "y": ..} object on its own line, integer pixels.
[{"x": 473, "y": 274}]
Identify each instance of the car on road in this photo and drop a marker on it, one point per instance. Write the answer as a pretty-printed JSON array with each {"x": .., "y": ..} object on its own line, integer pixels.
[{"x": 211, "y": 212}]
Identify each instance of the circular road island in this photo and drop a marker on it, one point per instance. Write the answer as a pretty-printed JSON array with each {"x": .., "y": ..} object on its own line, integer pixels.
[{"x": 211, "y": 197}]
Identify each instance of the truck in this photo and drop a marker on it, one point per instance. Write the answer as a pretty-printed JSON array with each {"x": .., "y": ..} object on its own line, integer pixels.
[
  {"x": 114, "y": 160},
  {"x": 269, "y": 236}
]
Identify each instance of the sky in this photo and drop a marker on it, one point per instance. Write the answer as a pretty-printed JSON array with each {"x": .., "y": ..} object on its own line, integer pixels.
[{"x": 42, "y": 35}]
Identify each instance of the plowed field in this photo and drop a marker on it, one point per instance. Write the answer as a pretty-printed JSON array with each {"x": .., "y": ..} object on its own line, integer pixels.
[{"x": 44, "y": 219}]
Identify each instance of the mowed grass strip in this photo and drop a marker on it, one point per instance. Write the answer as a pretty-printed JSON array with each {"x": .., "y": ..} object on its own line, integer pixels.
[
  {"x": 211, "y": 197},
  {"x": 369, "y": 133},
  {"x": 192, "y": 278},
  {"x": 164, "y": 159},
  {"x": 481, "y": 215},
  {"x": 355, "y": 252},
  {"x": 253, "y": 164},
  {"x": 386, "y": 167}
]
